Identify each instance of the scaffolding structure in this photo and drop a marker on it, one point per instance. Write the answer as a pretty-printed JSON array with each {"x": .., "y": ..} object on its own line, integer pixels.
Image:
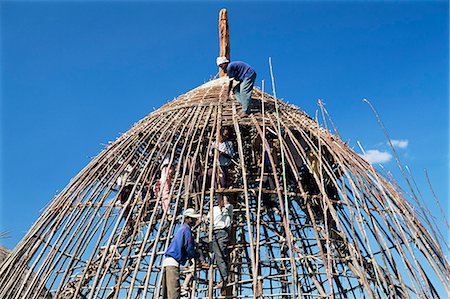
[{"x": 312, "y": 219}]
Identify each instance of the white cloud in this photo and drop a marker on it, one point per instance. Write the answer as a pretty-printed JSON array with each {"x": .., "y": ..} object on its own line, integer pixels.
[
  {"x": 376, "y": 156},
  {"x": 400, "y": 143}
]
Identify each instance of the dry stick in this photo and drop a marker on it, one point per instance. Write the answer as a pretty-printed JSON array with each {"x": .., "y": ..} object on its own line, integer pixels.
[
  {"x": 187, "y": 121},
  {"x": 258, "y": 214},
  {"x": 403, "y": 239},
  {"x": 364, "y": 199},
  {"x": 152, "y": 174},
  {"x": 33, "y": 249},
  {"x": 126, "y": 220},
  {"x": 437, "y": 201},
  {"x": 362, "y": 183},
  {"x": 48, "y": 257},
  {"x": 355, "y": 185},
  {"x": 325, "y": 210},
  {"x": 127, "y": 259},
  {"x": 364, "y": 208},
  {"x": 57, "y": 259},
  {"x": 332, "y": 213},
  {"x": 184, "y": 168},
  {"x": 137, "y": 181},
  {"x": 299, "y": 229},
  {"x": 375, "y": 222},
  {"x": 218, "y": 122},
  {"x": 69, "y": 247},
  {"x": 319, "y": 102},
  {"x": 323, "y": 109},
  {"x": 294, "y": 272},
  {"x": 406, "y": 178},
  {"x": 264, "y": 140},
  {"x": 129, "y": 216},
  {"x": 206, "y": 165},
  {"x": 108, "y": 243},
  {"x": 295, "y": 170},
  {"x": 310, "y": 212},
  {"x": 205, "y": 171},
  {"x": 80, "y": 239},
  {"x": 208, "y": 116},
  {"x": 152, "y": 257},
  {"x": 190, "y": 181},
  {"x": 423, "y": 232},
  {"x": 99, "y": 280},
  {"x": 247, "y": 203},
  {"x": 366, "y": 240},
  {"x": 271, "y": 252},
  {"x": 195, "y": 157},
  {"x": 390, "y": 144},
  {"x": 284, "y": 222},
  {"x": 195, "y": 115},
  {"x": 424, "y": 208}
]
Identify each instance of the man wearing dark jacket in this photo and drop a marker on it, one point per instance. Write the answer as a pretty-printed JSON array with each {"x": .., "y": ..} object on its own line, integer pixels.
[
  {"x": 245, "y": 75},
  {"x": 180, "y": 250}
]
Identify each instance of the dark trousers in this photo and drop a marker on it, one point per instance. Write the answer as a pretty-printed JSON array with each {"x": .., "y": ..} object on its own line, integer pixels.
[
  {"x": 203, "y": 249},
  {"x": 221, "y": 179},
  {"x": 171, "y": 282},
  {"x": 220, "y": 249}
]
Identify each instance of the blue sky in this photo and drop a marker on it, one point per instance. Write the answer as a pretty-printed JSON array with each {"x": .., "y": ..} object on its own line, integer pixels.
[{"x": 76, "y": 74}]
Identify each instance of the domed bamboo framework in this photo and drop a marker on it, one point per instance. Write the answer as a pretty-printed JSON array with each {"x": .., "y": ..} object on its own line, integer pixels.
[{"x": 312, "y": 219}]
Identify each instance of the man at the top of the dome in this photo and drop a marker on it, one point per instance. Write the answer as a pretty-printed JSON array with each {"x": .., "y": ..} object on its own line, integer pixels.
[{"x": 245, "y": 75}]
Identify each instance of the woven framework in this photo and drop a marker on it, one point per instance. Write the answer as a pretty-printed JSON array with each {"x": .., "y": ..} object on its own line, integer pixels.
[{"x": 312, "y": 219}]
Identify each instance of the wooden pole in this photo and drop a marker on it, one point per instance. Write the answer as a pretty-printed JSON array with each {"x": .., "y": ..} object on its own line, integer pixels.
[
  {"x": 350, "y": 233},
  {"x": 224, "y": 36}
]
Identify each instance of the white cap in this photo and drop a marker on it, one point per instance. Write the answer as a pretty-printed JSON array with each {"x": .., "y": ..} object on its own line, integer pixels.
[
  {"x": 191, "y": 213},
  {"x": 221, "y": 60}
]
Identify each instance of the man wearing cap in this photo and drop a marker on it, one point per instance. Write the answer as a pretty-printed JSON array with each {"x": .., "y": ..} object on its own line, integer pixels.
[
  {"x": 222, "y": 217},
  {"x": 244, "y": 73},
  {"x": 180, "y": 250}
]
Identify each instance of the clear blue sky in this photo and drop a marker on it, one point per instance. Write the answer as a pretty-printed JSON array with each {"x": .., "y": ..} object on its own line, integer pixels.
[{"x": 76, "y": 74}]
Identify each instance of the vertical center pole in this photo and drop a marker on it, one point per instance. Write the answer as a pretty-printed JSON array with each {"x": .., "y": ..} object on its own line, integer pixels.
[{"x": 224, "y": 36}]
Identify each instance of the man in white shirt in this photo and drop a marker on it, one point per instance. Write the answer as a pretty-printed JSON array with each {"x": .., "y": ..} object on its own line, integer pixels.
[
  {"x": 222, "y": 217},
  {"x": 226, "y": 153}
]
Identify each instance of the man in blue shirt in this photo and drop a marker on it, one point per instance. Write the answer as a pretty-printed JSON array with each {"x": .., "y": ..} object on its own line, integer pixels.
[
  {"x": 244, "y": 73},
  {"x": 180, "y": 250}
]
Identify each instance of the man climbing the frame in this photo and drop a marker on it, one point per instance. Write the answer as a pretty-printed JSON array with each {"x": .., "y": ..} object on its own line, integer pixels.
[
  {"x": 179, "y": 251},
  {"x": 226, "y": 153},
  {"x": 222, "y": 217},
  {"x": 245, "y": 75}
]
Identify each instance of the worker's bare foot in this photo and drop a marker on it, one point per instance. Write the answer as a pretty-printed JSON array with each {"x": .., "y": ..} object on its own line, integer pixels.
[{"x": 243, "y": 114}]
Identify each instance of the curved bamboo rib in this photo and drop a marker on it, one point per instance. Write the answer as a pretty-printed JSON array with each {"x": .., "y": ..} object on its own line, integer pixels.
[{"x": 327, "y": 225}]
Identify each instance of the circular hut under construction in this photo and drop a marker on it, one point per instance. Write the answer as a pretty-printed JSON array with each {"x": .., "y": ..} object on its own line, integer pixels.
[{"x": 311, "y": 218}]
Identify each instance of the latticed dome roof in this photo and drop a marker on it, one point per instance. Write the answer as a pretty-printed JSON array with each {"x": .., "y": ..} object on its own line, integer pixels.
[{"x": 311, "y": 218}]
